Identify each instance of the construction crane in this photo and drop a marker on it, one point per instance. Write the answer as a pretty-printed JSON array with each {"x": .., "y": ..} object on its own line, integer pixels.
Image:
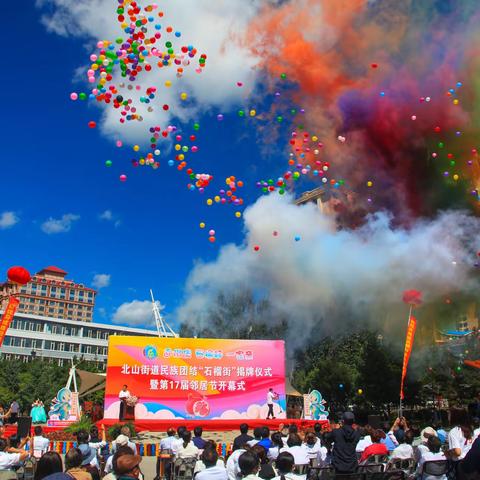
[{"x": 163, "y": 328}]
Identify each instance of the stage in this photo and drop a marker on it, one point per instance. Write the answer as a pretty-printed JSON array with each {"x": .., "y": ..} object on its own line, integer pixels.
[{"x": 214, "y": 425}]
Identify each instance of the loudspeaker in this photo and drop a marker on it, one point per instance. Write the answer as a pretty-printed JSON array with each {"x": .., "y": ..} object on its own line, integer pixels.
[
  {"x": 375, "y": 421},
  {"x": 24, "y": 424}
]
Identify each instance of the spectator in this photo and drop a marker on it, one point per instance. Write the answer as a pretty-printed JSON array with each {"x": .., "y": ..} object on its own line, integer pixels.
[
  {"x": 9, "y": 460},
  {"x": 257, "y": 436},
  {"x": 198, "y": 441},
  {"x": 425, "y": 434},
  {"x": 390, "y": 440},
  {"x": 212, "y": 471},
  {"x": 167, "y": 442},
  {"x": 277, "y": 444},
  {"x": 405, "y": 450},
  {"x": 265, "y": 442},
  {"x": 249, "y": 466},
  {"x": 128, "y": 466},
  {"x": 285, "y": 463},
  {"x": 14, "y": 411},
  {"x": 295, "y": 447},
  {"x": 243, "y": 438},
  {"x": 17, "y": 444},
  {"x": 3, "y": 415},
  {"x": 123, "y": 450},
  {"x": 187, "y": 449},
  {"x": 49, "y": 464},
  {"x": 365, "y": 440},
  {"x": 345, "y": 439},
  {"x": 469, "y": 467},
  {"x": 476, "y": 427},
  {"x": 314, "y": 448},
  {"x": 200, "y": 465},
  {"x": 266, "y": 470},
  {"x": 233, "y": 469},
  {"x": 433, "y": 453},
  {"x": 317, "y": 428},
  {"x": 377, "y": 447},
  {"x": 122, "y": 441},
  {"x": 73, "y": 465},
  {"x": 178, "y": 442},
  {"x": 39, "y": 444},
  {"x": 460, "y": 440},
  {"x": 89, "y": 456}
]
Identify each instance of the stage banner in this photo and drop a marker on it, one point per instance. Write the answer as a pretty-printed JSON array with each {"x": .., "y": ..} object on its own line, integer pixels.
[
  {"x": 195, "y": 378},
  {"x": 7, "y": 317}
]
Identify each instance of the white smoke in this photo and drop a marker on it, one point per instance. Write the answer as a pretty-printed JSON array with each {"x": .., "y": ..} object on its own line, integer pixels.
[{"x": 321, "y": 278}]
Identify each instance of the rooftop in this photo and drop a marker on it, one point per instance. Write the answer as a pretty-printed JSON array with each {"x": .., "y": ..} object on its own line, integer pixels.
[{"x": 53, "y": 269}]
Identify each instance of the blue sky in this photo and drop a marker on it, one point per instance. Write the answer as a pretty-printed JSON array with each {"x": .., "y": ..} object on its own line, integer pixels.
[{"x": 53, "y": 165}]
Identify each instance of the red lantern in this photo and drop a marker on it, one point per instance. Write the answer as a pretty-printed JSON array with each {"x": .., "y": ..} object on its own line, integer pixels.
[
  {"x": 412, "y": 297},
  {"x": 19, "y": 275}
]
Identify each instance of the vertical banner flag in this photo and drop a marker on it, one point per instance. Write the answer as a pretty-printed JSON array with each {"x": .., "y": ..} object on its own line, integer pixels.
[
  {"x": 412, "y": 326},
  {"x": 7, "y": 317}
]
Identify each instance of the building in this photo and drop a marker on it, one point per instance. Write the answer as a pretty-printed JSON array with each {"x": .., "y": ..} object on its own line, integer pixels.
[
  {"x": 50, "y": 294},
  {"x": 59, "y": 340}
]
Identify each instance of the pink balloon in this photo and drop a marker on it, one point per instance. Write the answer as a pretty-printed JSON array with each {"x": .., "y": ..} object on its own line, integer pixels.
[
  {"x": 123, "y": 178},
  {"x": 73, "y": 96}
]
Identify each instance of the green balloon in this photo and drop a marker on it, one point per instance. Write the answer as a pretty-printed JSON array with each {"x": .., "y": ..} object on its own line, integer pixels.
[{"x": 108, "y": 163}]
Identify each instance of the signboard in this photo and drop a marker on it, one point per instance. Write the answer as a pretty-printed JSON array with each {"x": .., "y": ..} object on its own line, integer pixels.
[
  {"x": 64, "y": 409},
  {"x": 7, "y": 317},
  {"x": 195, "y": 378},
  {"x": 314, "y": 406}
]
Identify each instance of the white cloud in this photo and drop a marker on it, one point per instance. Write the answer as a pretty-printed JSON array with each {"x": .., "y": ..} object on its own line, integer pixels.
[
  {"x": 136, "y": 312},
  {"x": 8, "y": 220},
  {"x": 106, "y": 215},
  {"x": 215, "y": 28},
  {"x": 101, "y": 280},
  {"x": 59, "y": 225}
]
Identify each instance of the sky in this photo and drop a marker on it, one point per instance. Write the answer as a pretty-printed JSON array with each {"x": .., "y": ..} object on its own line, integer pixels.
[{"x": 396, "y": 128}]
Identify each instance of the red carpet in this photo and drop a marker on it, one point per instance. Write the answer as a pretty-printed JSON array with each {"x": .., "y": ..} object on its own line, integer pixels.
[{"x": 212, "y": 425}]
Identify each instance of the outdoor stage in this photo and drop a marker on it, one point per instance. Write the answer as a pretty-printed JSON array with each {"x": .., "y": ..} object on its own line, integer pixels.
[{"x": 214, "y": 425}]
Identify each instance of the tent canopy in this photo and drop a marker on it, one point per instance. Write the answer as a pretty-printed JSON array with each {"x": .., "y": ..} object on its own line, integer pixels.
[
  {"x": 290, "y": 391},
  {"x": 90, "y": 382}
]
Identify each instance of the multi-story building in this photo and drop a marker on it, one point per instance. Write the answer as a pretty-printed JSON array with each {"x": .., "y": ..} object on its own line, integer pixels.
[
  {"x": 50, "y": 294},
  {"x": 59, "y": 340}
]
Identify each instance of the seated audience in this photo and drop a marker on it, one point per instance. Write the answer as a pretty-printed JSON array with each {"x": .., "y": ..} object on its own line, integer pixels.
[
  {"x": 187, "y": 449},
  {"x": 49, "y": 465},
  {"x": 405, "y": 450},
  {"x": 266, "y": 470},
  {"x": 295, "y": 447},
  {"x": 198, "y": 441},
  {"x": 249, "y": 466},
  {"x": 123, "y": 450},
  {"x": 166, "y": 444},
  {"x": 73, "y": 465},
  {"x": 128, "y": 466},
  {"x": 257, "y": 436},
  {"x": 10, "y": 460},
  {"x": 460, "y": 440},
  {"x": 469, "y": 467},
  {"x": 425, "y": 434},
  {"x": 233, "y": 469},
  {"x": 265, "y": 442},
  {"x": 200, "y": 465},
  {"x": 243, "y": 438},
  {"x": 433, "y": 454},
  {"x": 277, "y": 444},
  {"x": 213, "y": 470},
  {"x": 284, "y": 465},
  {"x": 377, "y": 447}
]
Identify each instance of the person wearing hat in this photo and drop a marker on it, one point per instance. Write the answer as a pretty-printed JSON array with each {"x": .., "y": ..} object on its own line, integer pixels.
[
  {"x": 425, "y": 434},
  {"x": 121, "y": 441},
  {"x": 73, "y": 465},
  {"x": 345, "y": 439},
  {"x": 128, "y": 467}
]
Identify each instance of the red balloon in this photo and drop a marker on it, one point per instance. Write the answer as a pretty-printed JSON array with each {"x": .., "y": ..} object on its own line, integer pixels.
[
  {"x": 92, "y": 124},
  {"x": 19, "y": 275}
]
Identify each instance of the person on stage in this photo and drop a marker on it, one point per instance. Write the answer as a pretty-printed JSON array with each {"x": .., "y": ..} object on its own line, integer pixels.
[
  {"x": 123, "y": 395},
  {"x": 271, "y": 396},
  {"x": 38, "y": 412}
]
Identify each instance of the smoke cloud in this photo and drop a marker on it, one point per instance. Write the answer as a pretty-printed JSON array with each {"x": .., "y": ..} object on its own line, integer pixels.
[{"x": 323, "y": 279}]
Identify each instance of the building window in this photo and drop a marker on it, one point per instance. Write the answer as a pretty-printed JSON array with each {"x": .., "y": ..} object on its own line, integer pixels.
[
  {"x": 47, "y": 344},
  {"x": 87, "y": 349},
  {"x": 61, "y": 346}
]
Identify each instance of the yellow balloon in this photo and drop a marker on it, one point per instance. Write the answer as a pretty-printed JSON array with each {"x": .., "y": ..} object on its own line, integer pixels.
[
  {"x": 136, "y": 148},
  {"x": 178, "y": 147},
  {"x": 456, "y": 177},
  {"x": 238, "y": 214},
  {"x": 455, "y": 102},
  {"x": 253, "y": 113},
  {"x": 314, "y": 138},
  {"x": 209, "y": 201},
  {"x": 183, "y": 96},
  {"x": 217, "y": 198},
  {"x": 202, "y": 225},
  {"x": 369, "y": 184},
  {"x": 168, "y": 83},
  {"x": 360, "y": 391},
  {"x": 141, "y": 161}
]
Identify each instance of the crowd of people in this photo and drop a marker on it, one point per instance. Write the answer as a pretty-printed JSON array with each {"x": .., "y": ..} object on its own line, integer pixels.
[{"x": 287, "y": 454}]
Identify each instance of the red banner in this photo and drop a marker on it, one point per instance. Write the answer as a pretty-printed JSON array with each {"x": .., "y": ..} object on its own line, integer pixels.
[
  {"x": 412, "y": 326},
  {"x": 7, "y": 317}
]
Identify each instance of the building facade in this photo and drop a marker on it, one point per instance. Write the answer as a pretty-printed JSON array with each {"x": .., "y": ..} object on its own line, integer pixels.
[
  {"x": 50, "y": 294},
  {"x": 59, "y": 340}
]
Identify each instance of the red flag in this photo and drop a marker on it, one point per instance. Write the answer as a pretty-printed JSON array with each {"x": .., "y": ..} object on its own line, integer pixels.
[
  {"x": 412, "y": 325},
  {"x": 7, "y": 317}
]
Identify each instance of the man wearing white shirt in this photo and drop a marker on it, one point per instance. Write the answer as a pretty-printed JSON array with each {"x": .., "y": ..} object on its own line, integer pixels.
[
  {"x": 39, "y": 444},
  {"x": 167, "y": 442},
  {"x": 10, "y": 460},
  {"x": 433, "y": 454},
  {"x": 296, "y": 448},
  {"x": 123, "y": 395},
  {"x": 233, "y": 470},
  {"x": 213, "y": 471},
  {"x": 270, "y": 397},
  {"x": 405, "y": 450}
]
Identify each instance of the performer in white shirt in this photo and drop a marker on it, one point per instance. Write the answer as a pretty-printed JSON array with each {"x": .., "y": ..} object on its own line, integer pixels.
[
  {"x": 271, "y": 396},
  {"x": 123, "y": 395}
]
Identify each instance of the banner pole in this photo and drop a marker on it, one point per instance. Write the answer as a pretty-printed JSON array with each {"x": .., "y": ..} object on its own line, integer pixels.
[{"x": 400, "y": 407}]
